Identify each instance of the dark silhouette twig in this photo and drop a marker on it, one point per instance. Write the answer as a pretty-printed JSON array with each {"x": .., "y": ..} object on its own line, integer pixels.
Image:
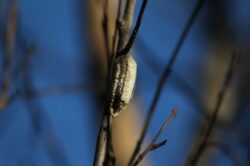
[
  {"x": 116, "y": 37},
  {"x": 110, "y": 156},
  {"x": 125, "y": 24},
  {"x": 135, "y": 30},
  {"x": 165, "y": 76},
  {"x": 227, "y": 81},
  {"x": 105, "y": 28},
  {"x": 101, "y": 145},
  {"x": 152, "y": 146}
]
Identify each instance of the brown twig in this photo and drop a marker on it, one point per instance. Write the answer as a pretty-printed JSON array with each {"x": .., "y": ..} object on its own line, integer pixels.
[
  {"x": 9, "y": 49},
  {"x": 152, "y": 146},
  {"x": 105, "y": 28},
  {"x": 116, "y": 32},
  {"x": 110, "y": 156},
  {"x": 104, "y": 154},
  {"x": 136, "y": 29},
  {"x": 165, "y": 77},
  {"x": 101, "y": 145},
  {"x": 125, "y": 24},
  {"x": 221, "y": 94}
]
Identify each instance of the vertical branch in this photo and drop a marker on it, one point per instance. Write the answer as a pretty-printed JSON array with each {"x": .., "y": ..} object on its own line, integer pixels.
[
  {"x": 136, "y": 29},
  {"x": 116, "y": 33},
  {"x": 165, "y": 76},
  {"x": 104, "y": 147},
  {"x": 9, "y": 49},
  {"x": 227, "y": 81},
  {"x": 105, "y": 28},
  {"x": 110, "y": 157},
  {"x": 125, "y": 24},
  {"x": 101, "y": 144},
  {"x": 123, "y": 29}
]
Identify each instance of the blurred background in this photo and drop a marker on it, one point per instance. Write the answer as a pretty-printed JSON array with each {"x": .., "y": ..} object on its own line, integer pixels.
[{"x": 53, "y": 71}]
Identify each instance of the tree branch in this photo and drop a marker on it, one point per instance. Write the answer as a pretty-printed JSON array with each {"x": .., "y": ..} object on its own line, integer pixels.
[
  {"x": 165, "y": 76},
  {"x": 9, "y": 49},
  {"x": 136, "y": 29},
  {"x": 105, "y": 28},
  {"x": 104, "y": 150},
  {"x": 221, "y": 94},
  {"x": 125, "y": 24},
  {"x": 153, "y": 145},
  {"x": 101, "y": 145}
]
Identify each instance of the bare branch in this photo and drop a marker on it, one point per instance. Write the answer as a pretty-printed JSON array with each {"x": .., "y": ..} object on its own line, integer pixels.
[
  {"x": 101, "y": 145},
  {"x": 9, "y": 48},
  {"x": 136, "y": 29},
  {"x": 104, "y": 150},
  {"x": 110, "y": 156},
  {"x": 105, "y": 29},
  {"x": 165, "y": 77},
  {"x": 126, "y": 23},
  {"x": 221, "y": 94},
  {"x": 116, "y": 36},
  {"x": 152, "y": 145}
]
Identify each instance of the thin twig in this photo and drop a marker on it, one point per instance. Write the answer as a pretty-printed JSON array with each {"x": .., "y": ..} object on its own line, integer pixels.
[
  {"x": 153, "y": 145},
  {"x": 105, "y": 28},
  {"x": 110, "y": 156},
  {"x": 101, "y": 145},
  {"x": 125, "y": 24},
  {"x": 116, "y": 34},
  {"x": 136, "y": 29},
  {"x": 9, "y": 49},
  {"x": 165, "y": 77},
  {"x": 103, "y": 153},
  {"x": 221, "y": 94}
]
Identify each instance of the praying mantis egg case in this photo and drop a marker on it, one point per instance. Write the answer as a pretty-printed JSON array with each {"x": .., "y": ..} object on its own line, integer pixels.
[{"x": 123, "y": 83}]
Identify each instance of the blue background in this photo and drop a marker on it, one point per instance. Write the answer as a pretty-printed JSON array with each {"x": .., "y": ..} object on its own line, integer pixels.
[{"x": 57, "y": 27}]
